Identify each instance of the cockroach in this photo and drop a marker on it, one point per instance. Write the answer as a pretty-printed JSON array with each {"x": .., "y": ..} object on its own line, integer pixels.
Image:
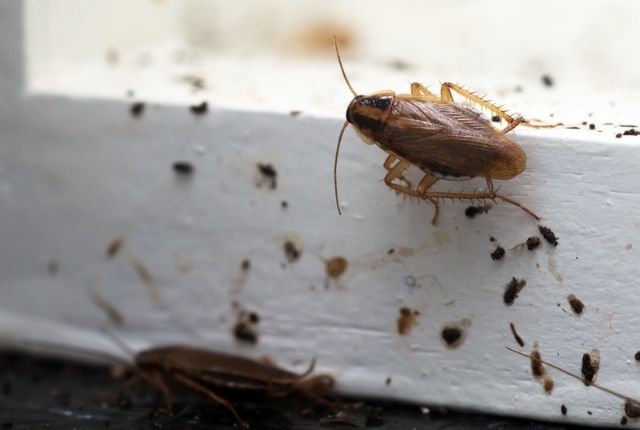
[
  {"x": 444, "y": 139},
  {"x": 204, "y": 371}
]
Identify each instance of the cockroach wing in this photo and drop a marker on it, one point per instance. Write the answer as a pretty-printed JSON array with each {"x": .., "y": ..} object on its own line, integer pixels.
[{"x": 449, "y": 140}]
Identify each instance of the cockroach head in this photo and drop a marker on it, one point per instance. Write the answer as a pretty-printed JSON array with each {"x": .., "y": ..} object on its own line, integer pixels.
[{"x": 368, "y": 112}]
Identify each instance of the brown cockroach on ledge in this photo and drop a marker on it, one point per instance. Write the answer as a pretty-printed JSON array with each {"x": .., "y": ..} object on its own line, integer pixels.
[
  {"x": 206, "y": 372},
  {"x": 444, "y": 139}
]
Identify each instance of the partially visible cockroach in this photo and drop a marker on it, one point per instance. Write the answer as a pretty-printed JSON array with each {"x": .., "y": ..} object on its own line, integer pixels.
[
  {"x": 205, "y": 371},
  {"x": 444, "y": 139},
  {"x": 208, "y": 372}
]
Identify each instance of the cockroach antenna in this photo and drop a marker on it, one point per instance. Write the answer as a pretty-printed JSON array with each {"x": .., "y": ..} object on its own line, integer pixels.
[
  {"x": 335, "y": 43},
  {"x": 346, "y": 123},
  {"x": 121, "y": 344}
]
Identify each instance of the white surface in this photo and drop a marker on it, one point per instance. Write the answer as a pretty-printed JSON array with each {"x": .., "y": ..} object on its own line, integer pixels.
[{"x": 77, "y": 171}]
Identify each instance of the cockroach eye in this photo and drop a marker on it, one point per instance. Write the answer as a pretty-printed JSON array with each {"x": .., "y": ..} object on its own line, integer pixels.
[{"x": 356, "y": 100}]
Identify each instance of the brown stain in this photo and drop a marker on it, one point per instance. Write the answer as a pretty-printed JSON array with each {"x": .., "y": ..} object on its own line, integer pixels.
[
  {"x": 498, "y": 253},
  {"x": 147, "y": 280},
  {"x": 112, "y": 313},
  {"x": 454, "y": 334},
  {"x": 590, "y": 366},
  {"x": 114, "y": 247},
  {"x": 516, "y": 336},
  {"x": 538, "y": 370},
  {"x": 292, "y": 251},
  {"x": 576, "y": 304},
  {"x": 629, "y": 246},
  {"x": 512, "y": 290},
  {"x": 548, "y": 235},
  {"x": 316, "y": 37},
  {"x": 336, "y": 266},
  {"x": 268, "y": 175},
  {"x": 406, "y": 320},
  {"x": 553, "y": 268},
  {"x": 295, "y": 113}
]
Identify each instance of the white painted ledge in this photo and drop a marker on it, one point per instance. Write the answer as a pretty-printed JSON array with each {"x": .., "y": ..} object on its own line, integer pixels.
[{"x": 77, "y": 171}]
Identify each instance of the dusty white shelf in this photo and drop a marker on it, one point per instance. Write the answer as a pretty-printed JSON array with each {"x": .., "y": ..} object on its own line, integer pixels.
[{"x": 77, "y": 171}]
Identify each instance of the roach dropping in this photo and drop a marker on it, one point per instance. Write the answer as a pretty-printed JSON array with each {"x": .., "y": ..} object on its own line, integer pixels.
[
  {"x": 472, "y": 211},
  {"x": 512, "y": 290},
  {"x": 245, "y": 333},
  {"x": 137, "y": 109},
  {"x": 453, "y": 334},
  {"x": 631, "y": 132},
  {"x": 199, "y": 109},
  {"x": 245, "y": 265},
  {"x": 183, "y": 168},
  {"x": 563, "y": 409},
  {"x": 516, "y": 336},
  {"x": 547, "y": 80},
  {"x": 576, "y": 304},
  {"x": 497, "y": 253},
  {"x": 637, "y": 356},
  {"x": 624, "y": 421},
  {"x": 548, "y": 235},
  {"x": 592, "y": 126},
  {"x": 495, "y": 118},
  {"x": 533, "y": 242},
  {"x": 291, "y": 251},
  {"x": 269, "y": 174},
  {"x": 590, "y": 366}
]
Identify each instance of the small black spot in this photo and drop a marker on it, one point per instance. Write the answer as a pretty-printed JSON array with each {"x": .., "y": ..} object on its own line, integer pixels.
[
  {"x": 269, "y": 172},
  {"x": 548, "y": 235},
  {"x": 637, "y": 356},
  {"x": 391, "y": 251},
  {"x": 497, "y": 253},
  {"x": 199, "y": 109},
  {"x": 245, "y": 265},
  {"x": 284, "y": 204},
  {"x": 137, "y": 109},
  {"x": 387, "y": 381},
  {"x": 492, "y": 239},
  {"x": 563, "y": 409},
  {"x": 533, "y": 242},
  {"x": 495, "y": 118},
  {"x": 472, "y": 211},
  {"x": 512, "y": 289},
  {"x": 589, "y": 413},
  {"x": 451, "y": 335},
  {"x": 183, "y": 168},
  {"x": 592, "y": 126},
  {"x": 244, "y": 333},
  {"x": 547, "y": 80},
  {"x": 618, "y": 136},
  {"x": 254, "y": 318}
]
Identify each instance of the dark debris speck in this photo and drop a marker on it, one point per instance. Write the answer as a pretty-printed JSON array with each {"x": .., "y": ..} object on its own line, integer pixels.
[
  {"x": 199, "y": 109},
  {"x": 548, "y": 235},
  {"x": 498, "y": 253},
  {"x": 547, "y": 80},
  {"x": 137, "y": 109},
  {"x": 183, "y": 168}
]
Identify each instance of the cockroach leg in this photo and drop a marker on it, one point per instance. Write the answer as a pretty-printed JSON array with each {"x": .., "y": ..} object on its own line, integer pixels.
[
  {"x": 396, "y": 172},
  {"x": 423, "y": 186},
  {"x": 512, "y": 125},
  {"x": 157, "y": 381},
  {"x": 210, "y": 394},
  {"x": 389, "y": 165},
  {"x": 446, "y": 96},
  {"x": 417, "y": 89}
]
